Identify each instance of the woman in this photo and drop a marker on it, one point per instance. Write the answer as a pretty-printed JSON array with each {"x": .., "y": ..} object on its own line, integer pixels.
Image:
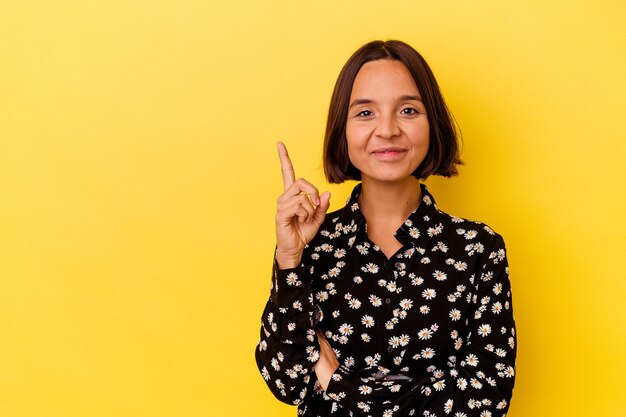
[{"x": 388, "y": 306}]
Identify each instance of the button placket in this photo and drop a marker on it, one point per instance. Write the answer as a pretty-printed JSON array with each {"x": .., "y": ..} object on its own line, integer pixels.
[
  {"x": 384, "y": 312},
  {"x": 390, "y": 301}
]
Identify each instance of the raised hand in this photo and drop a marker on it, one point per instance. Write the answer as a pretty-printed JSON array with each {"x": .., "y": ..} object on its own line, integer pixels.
[{"x": 300, "y": 212}]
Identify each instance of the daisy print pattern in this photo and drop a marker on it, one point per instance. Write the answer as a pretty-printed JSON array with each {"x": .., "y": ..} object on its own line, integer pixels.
[{"x": 428, "y": 332}]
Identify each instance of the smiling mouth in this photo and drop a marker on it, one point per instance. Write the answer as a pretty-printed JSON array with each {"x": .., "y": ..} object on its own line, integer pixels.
[{"x": 389, "y": 154}]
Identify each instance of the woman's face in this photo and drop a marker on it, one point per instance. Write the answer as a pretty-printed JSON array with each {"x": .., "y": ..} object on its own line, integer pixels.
[{"x": 387, "y": 129}]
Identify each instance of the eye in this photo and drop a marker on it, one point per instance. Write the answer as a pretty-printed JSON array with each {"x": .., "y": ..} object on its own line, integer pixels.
[
  {"x": 409, "y": 110},
  {"x": 363, "y": 113}
]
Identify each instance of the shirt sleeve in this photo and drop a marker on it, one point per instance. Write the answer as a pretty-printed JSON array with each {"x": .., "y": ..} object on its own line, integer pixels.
[
  {"x": 479, "y": 385},
  {"x": 288, "y": 347}
]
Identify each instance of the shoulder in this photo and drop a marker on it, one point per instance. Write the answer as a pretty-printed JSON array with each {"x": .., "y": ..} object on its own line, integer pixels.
[
  {"x": 470, "y": 231},
  {"x": 455, "y": 228},
  {"x": 477, "y": 241}
]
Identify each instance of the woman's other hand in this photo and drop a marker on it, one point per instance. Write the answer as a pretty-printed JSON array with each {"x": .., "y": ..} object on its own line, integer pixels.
[
  {"x": 299, "y": 214},
  {"x": 327, "y": 363}
]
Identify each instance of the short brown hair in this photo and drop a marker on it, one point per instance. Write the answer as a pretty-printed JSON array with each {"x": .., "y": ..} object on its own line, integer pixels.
[{"x": 443, "y": 153}]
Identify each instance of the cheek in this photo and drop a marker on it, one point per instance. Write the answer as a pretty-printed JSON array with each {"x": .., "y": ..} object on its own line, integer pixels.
[
  {"x": 356, "y": 135},
  {"x": 352, "y": 140},
  {"x": 420, "y": 135},
  {"x": 352, "y": 152},
  {"x": 355, "y": 149}
]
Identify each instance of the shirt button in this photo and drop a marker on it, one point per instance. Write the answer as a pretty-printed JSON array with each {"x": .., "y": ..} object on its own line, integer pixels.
[
  {"x": 389, "y": 349},
  {"x": 388, "y": 300}
]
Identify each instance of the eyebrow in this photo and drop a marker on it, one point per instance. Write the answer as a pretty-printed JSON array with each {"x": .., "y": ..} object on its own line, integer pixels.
[{"x": 368, "y": 101}]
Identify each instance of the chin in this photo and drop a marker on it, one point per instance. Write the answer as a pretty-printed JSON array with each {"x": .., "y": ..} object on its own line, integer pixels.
[{"x": 392, "y": 178}]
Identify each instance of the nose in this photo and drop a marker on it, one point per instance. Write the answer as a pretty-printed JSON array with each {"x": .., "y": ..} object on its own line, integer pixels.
[{"x": 387, "y": 126}]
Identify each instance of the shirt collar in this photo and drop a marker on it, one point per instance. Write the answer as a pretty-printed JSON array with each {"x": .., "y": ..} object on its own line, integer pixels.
[{"x": 421, "y": 225}]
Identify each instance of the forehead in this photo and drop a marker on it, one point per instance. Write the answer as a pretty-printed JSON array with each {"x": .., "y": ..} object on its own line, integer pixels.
[{"x": 383, "y": 76}]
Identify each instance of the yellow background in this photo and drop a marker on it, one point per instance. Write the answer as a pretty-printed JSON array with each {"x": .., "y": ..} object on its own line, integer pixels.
[{"x": 138, "y": 179}]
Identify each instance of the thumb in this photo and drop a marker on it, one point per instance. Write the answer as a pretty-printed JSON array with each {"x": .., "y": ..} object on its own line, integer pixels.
[{"x": 322, "y": 208}]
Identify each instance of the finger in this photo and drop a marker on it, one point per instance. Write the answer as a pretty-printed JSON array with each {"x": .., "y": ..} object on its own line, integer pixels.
[
  {"x": 324, "y": 345},
  {"x": 303, "y": 186},
  {"x": 286, "y": 215},
  {"x": 305, "y": 203},
  {"x": 296, "y": 206},
  {"x": 285, "y": 165},
  {"x": 287, "y": 204},
  {"x": 322, "y": 208},
  {"x": 319, "y": 333},
  {"x": 302, "y": 214}
]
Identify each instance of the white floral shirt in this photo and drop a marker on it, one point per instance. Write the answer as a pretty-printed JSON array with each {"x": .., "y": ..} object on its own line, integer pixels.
[{"x": 428, "y": 332}]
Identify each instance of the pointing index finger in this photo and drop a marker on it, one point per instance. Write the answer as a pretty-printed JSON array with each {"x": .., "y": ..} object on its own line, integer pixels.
[{"x": 285, "y": 165}]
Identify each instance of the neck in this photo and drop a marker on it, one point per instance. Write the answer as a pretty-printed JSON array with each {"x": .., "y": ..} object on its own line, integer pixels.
[{"x": 392, "y": 202}]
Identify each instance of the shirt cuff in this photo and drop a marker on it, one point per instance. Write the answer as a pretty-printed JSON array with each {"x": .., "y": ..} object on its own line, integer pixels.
[{"x": 291, "y": 287}]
